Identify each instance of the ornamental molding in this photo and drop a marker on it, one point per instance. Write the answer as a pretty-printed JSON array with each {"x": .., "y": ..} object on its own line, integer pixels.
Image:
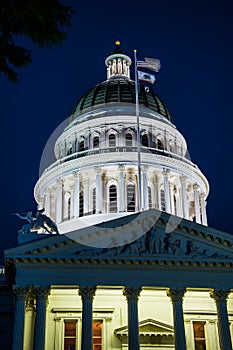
[
  {"x": 187, "y": 246},
  {"x": 51, "y": 174}
]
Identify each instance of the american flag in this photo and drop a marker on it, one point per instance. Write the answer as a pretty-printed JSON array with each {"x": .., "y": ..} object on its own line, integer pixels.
[{"x": 150, "y": 63}]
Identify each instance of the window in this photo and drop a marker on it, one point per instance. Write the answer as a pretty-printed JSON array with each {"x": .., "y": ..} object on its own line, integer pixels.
[
  {"x": 113, "y": 199},
  {"x": 70, "y": 335},
  {"x": 81, "y": 203},
  {"x": 159, "y": 144},
  {"x": 96, "y": 142},
  {"x": 97, "y": 335},
  {"x": 162, "y": 200},
  {"x": 94, "y": 201},
  {"x": 69, "y": 208},
  {"x": 130, "y": 198},
  {"x": 145, "y": 142},
  {"x": 81, "y": 146},
  {"x": 175, "y": 205},
  {"x": 199, "y": 335},
  {"x": 70, "y": 148},
  {"x": 129, "y": 140},
  {"x": 149, "y": 197},
  {"x": 112, "y": 140}
]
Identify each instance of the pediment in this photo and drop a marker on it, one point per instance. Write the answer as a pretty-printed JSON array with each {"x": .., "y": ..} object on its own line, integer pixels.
[
  {"x": 148, "y": 327},
  {"x": 148, "y": 237},
  {"x": 151, "y": 333}
]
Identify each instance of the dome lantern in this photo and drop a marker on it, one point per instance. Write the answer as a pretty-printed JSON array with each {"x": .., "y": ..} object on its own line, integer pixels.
[{"x": 118, "y": 63}]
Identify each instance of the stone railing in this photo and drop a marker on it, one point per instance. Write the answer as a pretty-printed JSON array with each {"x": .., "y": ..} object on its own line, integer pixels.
[{"x": 117, "y": 149}]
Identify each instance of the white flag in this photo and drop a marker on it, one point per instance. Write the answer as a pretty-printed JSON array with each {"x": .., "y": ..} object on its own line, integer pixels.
[{"x": 146, "y": 77}]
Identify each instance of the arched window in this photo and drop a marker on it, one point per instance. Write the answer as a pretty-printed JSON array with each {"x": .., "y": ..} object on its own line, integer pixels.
[
  {"x": 131, "y": 197},
  {"x": 81, "y": 203},
  {"x": 159, "y": 144},
  {"x": 96, "y": 142},
  {"x": 145, "y": 141},
  {"x": 94, "y": 201},
  {"x": 129, "y": 140},
  {"x": 69, "y": 208},
  {"x": 175, "y": 205},
  {"x": 162, "y": 200},
  {"x": 113, "y": 199},
  {"x": 69, "y": 151},
  {"x": 112, "y": 140},
  {"x": 149, "y": 197},
  {"x": 81, "y": 146}
]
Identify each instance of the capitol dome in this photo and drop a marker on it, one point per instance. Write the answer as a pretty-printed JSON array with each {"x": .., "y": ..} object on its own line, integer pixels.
[
  {"x": 117, "y": 90},
  {"x": 97, "y": 177}
]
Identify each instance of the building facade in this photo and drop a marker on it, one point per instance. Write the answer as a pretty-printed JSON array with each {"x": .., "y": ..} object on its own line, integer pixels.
[{"x": 117, "y": 277}]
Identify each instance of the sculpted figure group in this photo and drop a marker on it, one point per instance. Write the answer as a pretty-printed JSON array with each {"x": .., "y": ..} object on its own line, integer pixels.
[{"x": 37, "y": 222}]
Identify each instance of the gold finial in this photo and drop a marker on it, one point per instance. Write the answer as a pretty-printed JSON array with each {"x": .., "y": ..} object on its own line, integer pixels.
[{"x": 117, "y": 42}]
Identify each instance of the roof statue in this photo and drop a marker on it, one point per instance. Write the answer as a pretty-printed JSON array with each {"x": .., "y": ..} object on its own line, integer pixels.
[{"x": 37, "y": 222}]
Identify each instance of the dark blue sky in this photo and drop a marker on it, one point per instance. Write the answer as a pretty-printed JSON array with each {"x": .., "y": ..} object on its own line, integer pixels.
[{"x": 194, "y": 41}]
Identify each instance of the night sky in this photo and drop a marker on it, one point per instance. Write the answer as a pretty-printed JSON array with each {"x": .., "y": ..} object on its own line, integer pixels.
[{"x": 193, "y": 40}]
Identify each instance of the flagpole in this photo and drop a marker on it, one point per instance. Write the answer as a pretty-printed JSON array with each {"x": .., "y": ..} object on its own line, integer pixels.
[{"x": 138, "y": 135}]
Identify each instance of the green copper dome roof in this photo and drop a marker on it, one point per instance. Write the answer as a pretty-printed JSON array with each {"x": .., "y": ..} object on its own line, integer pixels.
[{"x": 120, "y": 90}]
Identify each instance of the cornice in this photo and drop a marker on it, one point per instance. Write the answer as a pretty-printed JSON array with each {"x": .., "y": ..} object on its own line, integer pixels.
[{"x": 104, "y": 159}]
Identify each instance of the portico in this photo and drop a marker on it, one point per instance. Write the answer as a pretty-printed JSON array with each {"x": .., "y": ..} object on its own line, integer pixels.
[{"x": 142, "y": 298}]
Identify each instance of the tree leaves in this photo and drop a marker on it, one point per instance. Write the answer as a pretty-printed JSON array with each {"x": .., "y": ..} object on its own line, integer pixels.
[{"x": 40, "y": 20}]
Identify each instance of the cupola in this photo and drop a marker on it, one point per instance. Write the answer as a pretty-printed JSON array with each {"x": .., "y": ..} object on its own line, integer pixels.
[{"x": 118, "y": 63}]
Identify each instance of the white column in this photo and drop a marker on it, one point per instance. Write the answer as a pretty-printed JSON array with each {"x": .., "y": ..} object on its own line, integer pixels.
[
  {"x": 87, "y": 295},
  {"x": 98, "y": 190},
  {"x": 145, "y": 189},
  {"x": 156, "y": 191},
  {"x": 76, "y": 194},
  {"x": 40, "y": 202},
  {"x": 85, "y": 198},
  {"x": 166, "y": 191},
  {"x": 121, "y": 188},
  {"x": 19, "y": 317},
  {"x": 203, "y": 209},
  {"x": 132, "y": 295},
  {"x": 47, "y": 202},
  {"x": 184, "y": 198},
  {"x": 71, "y": 201},
  {"x": 59, "y": 199},
  {"x": 172, "y": 198},
  {"x": 197, "y": 203},
  {"x": 176, "y": 296},
  {"x": 40, "y": 322},
  {"x": 220, "y": 297}
]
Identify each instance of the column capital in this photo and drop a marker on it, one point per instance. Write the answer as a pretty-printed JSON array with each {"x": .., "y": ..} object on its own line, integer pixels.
[
  {"x": 183, "y": 178},
  {"x": 165, "y": 172},
  {"x": 59, "y": 181},
  {"x": 20, "y": 292},
  {"x": 176, "y": 294},
  {"x": 202, "y": 195},
  {"x": 196, "y": 186},
  {"x": 97, "y": 169},
  {"x": 220, "y": 295},
  {"x": 132, "y": 293},
  {"x": 75, "y": 173},
  {"x": 121, "y": 166},
  {"x": 42, "y": 292},
  {"x": 145, "y": 168},
  {"x": 87, "y": 293}
]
